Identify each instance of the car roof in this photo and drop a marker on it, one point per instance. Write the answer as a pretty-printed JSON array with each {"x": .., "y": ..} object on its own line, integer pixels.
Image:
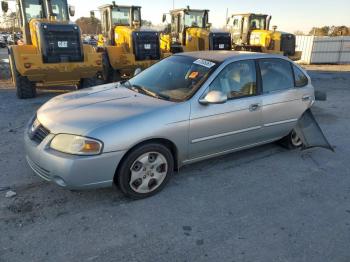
[{"x": 221, "y": 56}]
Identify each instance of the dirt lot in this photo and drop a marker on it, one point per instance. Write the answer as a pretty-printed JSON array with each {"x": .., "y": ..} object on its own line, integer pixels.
[{"x": 264, "y": 204}]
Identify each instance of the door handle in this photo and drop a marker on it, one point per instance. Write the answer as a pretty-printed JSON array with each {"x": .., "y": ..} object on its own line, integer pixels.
[
  {"x": 306, "y": 98},
  {"x": 254, "y": 107}
]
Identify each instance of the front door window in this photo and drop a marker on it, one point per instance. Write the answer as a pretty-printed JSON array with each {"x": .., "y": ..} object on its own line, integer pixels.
[{"x": 236, "y": 80}]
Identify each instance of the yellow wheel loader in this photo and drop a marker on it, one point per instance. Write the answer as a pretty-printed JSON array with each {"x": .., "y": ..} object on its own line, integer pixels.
[
  {"x": 126, "y": 46},
  {"x": 189, "y": 30},
  {"x": 251, "y": 32},
  {"x": 52, "y": 53}
]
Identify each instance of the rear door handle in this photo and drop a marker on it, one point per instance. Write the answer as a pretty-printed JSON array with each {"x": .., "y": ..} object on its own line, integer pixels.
[{"x": 254, "y": 107}]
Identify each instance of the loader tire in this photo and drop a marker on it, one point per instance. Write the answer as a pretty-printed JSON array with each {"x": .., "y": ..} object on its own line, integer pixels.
[
  {"x": 109, "y": 74},
  {"x": 88, "y": 82},
  {"x": 24, "y": 88}
]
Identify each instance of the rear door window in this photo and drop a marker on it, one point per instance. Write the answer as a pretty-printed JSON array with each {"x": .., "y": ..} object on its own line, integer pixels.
[{"x": 276, "y": 75}]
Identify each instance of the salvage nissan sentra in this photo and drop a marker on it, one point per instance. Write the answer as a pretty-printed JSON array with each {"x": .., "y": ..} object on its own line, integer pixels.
[{"x": 186, "y": 108}]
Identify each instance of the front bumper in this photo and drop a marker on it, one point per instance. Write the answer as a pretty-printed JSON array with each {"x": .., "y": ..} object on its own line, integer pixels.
[{"x": 70, "y": 171}]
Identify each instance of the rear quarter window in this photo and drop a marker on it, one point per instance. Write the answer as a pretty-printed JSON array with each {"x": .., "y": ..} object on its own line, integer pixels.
[{"x": 300, "y": 78}]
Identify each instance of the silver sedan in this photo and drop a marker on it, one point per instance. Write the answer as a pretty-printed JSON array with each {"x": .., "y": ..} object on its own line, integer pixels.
[{"x": 186, "y": 108}]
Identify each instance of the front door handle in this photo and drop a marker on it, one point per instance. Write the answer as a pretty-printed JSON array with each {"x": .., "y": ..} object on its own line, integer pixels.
[{"x": 254, "y": 107}]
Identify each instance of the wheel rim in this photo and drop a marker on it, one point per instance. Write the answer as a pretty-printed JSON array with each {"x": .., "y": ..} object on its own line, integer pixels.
[
  {"x": 296, "y": 141},
  {"x": 148, "y": 172}
]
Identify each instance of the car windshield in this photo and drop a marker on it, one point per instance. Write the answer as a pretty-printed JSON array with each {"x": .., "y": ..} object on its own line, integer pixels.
[
  {"x": 258, "y": 22},
  {"x": 60, "y": 9},
  {"x": 194, "y": 19},
  {"x": 175, "y": 78}
]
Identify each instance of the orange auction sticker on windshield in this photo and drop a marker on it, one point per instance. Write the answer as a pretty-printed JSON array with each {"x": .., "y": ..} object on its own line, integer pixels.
[{"x": 193, "y": 75}]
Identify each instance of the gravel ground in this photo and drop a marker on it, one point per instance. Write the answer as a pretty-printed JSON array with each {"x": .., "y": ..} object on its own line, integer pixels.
[{"x": 263, "y": 204}]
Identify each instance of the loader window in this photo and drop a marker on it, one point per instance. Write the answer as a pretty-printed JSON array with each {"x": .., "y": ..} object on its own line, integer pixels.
[
  {"x": 236, "y": 24},
  {"x": 121, "y": 16},
  {"x": 60, "y": 9},
  {"x": 137, "y": 15},
  {"x": 258, "y": 22},
  {"x": 194, "y": 19},
  {"x": 33, "y": 9}
]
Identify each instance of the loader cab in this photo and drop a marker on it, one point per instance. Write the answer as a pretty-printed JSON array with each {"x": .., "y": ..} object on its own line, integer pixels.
[
  {"x": 44, "y": 9},
  {"x": 114, "y": 15},
  {"x": 182, "y": 19},
  {"x": 51, "y": 10},
  {"x": 242, "y": 25}
]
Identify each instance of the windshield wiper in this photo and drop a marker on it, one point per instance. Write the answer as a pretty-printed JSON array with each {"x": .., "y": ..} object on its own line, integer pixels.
[{"x": 145, "y": 91}]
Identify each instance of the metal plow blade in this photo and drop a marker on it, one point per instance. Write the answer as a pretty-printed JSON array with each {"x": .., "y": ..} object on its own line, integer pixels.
[{"x": 310, "y": 132}]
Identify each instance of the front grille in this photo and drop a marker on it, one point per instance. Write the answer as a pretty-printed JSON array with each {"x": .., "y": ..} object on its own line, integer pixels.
[
  {"x": 146, "y": 45},
  {"x": 61, "y": 43},
  {"x": 37, "y": 132},
  {"x": 220, "y": 41},
  {"x": 40, "y": 133},
  {"x": 288, "y": 44}
]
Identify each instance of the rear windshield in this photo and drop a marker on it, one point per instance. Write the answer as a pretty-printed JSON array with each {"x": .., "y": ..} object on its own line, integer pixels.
[{"x": 176, "y": 78}]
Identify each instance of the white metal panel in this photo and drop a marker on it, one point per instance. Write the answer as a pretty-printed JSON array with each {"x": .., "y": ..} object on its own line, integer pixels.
[
  {"x": 305, "y": 44},
  {"x": 345, "y": 54},
  {"x": 326, "y": 50},
  {"x": 323, "y": 50}
]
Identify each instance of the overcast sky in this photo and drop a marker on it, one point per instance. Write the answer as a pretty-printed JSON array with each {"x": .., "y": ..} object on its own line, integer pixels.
[{"x": 287, "y": 15}]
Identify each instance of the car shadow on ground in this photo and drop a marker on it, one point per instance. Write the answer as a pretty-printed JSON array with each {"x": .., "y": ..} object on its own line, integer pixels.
[{"x": 201, "y": 169}]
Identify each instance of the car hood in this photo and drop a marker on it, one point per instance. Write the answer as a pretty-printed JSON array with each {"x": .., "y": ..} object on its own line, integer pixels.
[{"x": 82, "y": 111}]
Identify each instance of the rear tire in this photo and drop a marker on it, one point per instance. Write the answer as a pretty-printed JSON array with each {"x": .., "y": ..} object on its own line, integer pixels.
[
  {"x": 24, "y": 88},
  {"x": 291, "y": 141},
  {"x": 151, "y": 175}
]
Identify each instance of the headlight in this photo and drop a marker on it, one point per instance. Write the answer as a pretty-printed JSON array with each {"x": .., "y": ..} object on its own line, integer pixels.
[{"x": 76, "y": 145}]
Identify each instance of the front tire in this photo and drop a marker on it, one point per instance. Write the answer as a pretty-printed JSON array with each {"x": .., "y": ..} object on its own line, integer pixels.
[
  {"x": 109, "y": 74},
  {"x": 145, "y": 171},
  {"x": 24, "y": 88}
]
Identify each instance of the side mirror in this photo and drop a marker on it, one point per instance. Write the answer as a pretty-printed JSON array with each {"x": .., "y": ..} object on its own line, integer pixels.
[
  {"x": 208, "y": 25},
  {"x": 92, "y": 14},
  {"x": 164, "y": 18},
  {"x": 137, "y": 71},
  {"x": 213, "y": 97},
  {"x": 4, "y": 6},
  {"x": 71, "y": 10}
]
